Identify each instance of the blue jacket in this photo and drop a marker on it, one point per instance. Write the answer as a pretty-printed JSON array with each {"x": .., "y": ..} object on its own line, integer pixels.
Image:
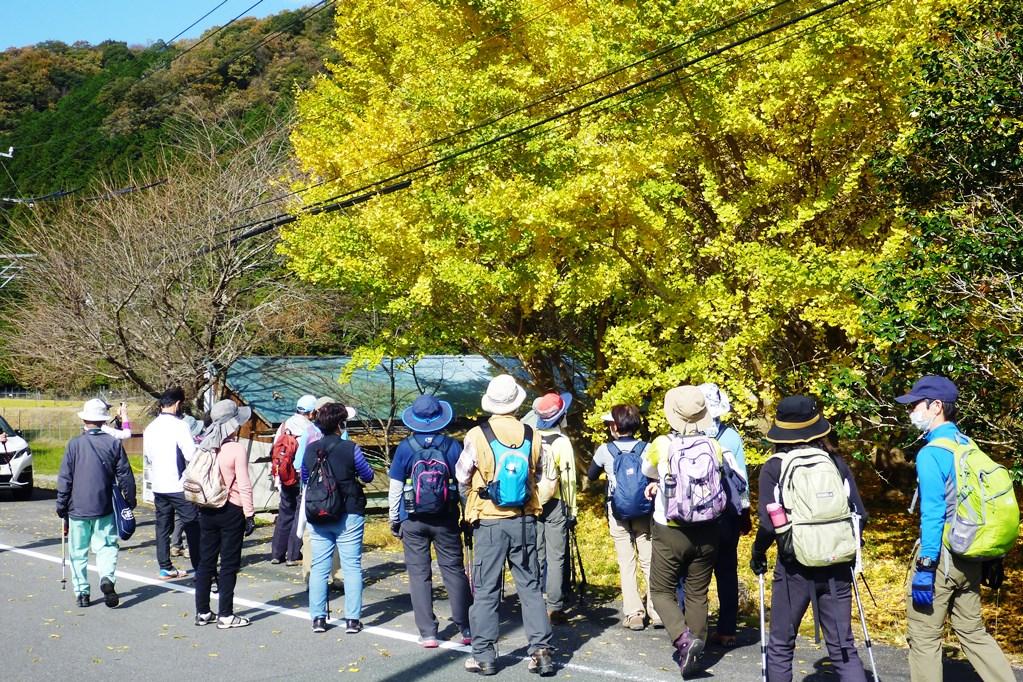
[
  {"x": 92, "y": 463},
  {"x": 935, "y": 475},
  {"x": 401, "y": 463}
]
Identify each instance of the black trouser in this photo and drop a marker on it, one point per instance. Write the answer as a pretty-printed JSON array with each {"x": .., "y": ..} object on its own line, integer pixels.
[
  {"x": 417, "y": 534},
  {"x": 676, "y": 551},
  {"x": 222, "y": 532},
  {"x": 792, "y": 590},
  {"x": 169, "y": 505},
  {"x": 285, "y": 545}
]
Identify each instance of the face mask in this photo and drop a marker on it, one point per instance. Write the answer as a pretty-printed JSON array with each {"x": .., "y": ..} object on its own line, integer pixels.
[{"x": 921, "y": 420}]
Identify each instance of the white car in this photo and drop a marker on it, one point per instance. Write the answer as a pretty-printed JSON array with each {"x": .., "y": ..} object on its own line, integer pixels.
[{"x": 15, "y": 463}]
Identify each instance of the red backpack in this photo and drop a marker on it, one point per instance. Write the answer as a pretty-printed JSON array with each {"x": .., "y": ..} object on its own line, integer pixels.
[{"x": 282, "y": 458}]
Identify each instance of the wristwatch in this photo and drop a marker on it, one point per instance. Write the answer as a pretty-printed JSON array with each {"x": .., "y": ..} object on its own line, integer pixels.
[{"x": 925, "y": 563}]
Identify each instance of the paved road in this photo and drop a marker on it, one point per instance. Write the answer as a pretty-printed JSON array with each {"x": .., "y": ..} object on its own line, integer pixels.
[{"x": 151, "y": 633}]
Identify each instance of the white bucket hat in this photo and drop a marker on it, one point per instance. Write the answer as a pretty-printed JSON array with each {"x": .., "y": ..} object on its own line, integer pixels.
[
  {"x": 503, "y": 395},
  {"x": 95, "y": 410},
  {"x": 717, "y": 401}
]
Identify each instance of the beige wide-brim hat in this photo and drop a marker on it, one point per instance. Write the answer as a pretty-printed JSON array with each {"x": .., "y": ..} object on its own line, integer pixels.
[
  {"x": 686, "y": 410},
  {"x": 95, "y": 411},
  {"x": 503, "y": 395}
]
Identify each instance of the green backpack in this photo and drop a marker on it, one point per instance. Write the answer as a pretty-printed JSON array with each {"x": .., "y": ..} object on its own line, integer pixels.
[{"x": 986, "y": 520}]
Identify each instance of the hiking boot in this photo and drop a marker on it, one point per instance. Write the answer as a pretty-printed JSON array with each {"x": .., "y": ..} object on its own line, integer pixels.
[
  {"x": 83, "y": 600},
  {"x": 635, "y": 621},
  {"x": 205, "y": 618},
  {"x": 690, "y": 649},
  {"x": 480, "y": 667},
  {"x": 320, "y": 624},
  {"x": 177, "y": 551},
  {"x": 228, "y": 622},
  {"x": 540, "y": 662},
  {"x": 429, "y": 642},
  {"x": 353, "y": 626},
  {"x": 106, "y": 586}
]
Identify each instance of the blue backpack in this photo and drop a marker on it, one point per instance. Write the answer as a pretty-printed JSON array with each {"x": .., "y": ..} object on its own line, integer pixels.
[
  {"x": 627, "y": 498},
  {"x": 429, "y": 487},
  {"x": 510, "y": 485}
]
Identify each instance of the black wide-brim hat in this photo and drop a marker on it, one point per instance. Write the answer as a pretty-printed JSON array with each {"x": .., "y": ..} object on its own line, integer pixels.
[{"x": 798, "y": 421}]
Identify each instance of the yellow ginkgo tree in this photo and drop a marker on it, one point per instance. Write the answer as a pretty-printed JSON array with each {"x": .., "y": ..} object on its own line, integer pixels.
[{"x": 708, "y": 225}]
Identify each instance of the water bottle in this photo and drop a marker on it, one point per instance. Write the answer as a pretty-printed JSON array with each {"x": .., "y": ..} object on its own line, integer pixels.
[
  {"x": 777, "y": 513},
  {"x": 409, "y": 494},
  {"x": 669, "y": 487}
]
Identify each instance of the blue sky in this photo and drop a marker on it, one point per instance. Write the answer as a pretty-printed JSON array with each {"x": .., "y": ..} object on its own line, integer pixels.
[{"x": 136, "y": 22}]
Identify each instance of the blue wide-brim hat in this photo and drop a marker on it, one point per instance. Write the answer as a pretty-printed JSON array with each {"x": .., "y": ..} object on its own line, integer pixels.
[
  {"x": 550, "y": 408},
  {"x": 427, "y": 414}
]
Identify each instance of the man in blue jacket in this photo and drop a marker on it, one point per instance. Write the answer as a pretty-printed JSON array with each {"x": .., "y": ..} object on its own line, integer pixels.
[
  {"x": 942, "y": 582},
  {"x": 93, "y": 464},
  {"x": 423, "y": 473}
]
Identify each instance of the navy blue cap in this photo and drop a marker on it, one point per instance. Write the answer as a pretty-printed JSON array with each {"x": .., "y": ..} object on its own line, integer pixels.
[
  {"x": 931, "y": 387},
  {"x": 427, "y": 414}
]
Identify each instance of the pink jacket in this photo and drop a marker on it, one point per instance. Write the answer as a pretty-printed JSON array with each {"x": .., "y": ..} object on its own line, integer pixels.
[{"x": 234, "y": 467}]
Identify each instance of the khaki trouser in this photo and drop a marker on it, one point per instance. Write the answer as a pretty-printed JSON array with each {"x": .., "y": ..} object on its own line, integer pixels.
[
  {"x": 957, "y": 594},
  {"x": 632, "y": 541}
]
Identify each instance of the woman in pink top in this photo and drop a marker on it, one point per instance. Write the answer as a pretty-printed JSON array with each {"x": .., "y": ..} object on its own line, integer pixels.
[{"x": 222, "y": 528}]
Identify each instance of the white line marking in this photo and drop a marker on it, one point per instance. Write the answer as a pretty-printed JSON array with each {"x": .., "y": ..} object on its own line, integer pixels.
[{"x": 304, "y": 615}]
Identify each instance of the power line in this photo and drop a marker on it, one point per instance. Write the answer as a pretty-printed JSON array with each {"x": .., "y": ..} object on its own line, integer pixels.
[
  {"x": 192, "y": 25},
  {"x": 371, "y": 190},
  {"x": 219, "y": 29}
]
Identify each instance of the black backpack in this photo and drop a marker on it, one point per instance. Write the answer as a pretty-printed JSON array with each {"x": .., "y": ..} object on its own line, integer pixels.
[{"x": 324, "y": 501}]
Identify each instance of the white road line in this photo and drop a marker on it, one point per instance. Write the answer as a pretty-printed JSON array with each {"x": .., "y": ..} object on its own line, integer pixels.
[{"x": 304, "y": 615}]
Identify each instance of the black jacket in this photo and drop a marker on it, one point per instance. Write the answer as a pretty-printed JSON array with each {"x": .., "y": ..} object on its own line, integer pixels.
[
  {"x": 91, "y": 464},
  {"x": 341, "y": 458}
]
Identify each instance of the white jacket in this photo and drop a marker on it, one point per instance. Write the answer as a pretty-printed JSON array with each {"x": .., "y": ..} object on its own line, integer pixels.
[{"x": 161, "y": 441}]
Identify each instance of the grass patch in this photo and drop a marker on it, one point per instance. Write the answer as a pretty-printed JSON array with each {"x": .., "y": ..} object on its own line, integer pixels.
[
  {"x": 47, "y": 455},
  {"x": 25, "y": 403}
]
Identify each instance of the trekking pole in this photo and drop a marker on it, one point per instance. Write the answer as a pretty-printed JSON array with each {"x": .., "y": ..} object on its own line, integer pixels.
[
  {"x": 63, "y": 554},
  {"x": 863, "y": 622},
  {"x": 763, "y": 632},
  {"x": 582, "y": 570},
  {"x": 863, "y": 577}
]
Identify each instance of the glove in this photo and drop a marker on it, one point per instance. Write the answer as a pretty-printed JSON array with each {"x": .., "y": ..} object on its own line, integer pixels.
[
  {"x": 396, "y": 529},
  {"x": 466, "y": 529},
  {"x": 250, "y": 525},
  {"x": 745, "y": 524},
  {"x": 758, "y": 563},
  {"x": 923, "y": 588},
  {"x": 992, "y": 574},
  {"x": 570, "y": 523},
  {"x": 62, "y": 512}
]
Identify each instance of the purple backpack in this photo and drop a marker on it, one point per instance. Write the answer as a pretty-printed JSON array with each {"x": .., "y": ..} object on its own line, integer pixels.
[{"x": 694, "y": 489}]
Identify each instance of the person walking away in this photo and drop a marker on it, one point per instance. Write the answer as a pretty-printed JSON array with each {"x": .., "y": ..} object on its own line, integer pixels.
[
  {"x": 557, "y": 492},
  {"x": 499, "y": 467},
  {"x": 314, "y": 435},
  {"x": 93, "y": 463},
  {"x": 946, "y": 582},
  {"x": 689, "y": 494},
  {"x": 177, "y": 546},
  {"x": 168, "y": 445},
  {"x": 424, "y": 511},
  {"x": 348, "y": 466},
  {"x": 628, "y": 511},
  {"x": 818, "y": 538},
  {"x": 288, "y": 453},
  {"x": 223, "y": 528},
  {"x": 735, "y": 522}
]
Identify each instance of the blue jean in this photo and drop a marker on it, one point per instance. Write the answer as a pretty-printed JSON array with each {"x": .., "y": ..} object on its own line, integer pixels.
[{"x": 346, "y": 534}]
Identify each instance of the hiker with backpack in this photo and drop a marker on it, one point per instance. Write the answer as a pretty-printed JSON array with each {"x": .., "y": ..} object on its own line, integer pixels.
[
  {"x": 556, "y": 490},
  {"x": 689, "y": 470},
  {"x": 220, "y": 469},
  {"x": 499, "y": 467},
  {"x": 628, "y": 511},
  {"x": 424, "y": 511},
  {"x": 286, "y": 456},
  {"x": 93, "y": 464},
  {"x": 735, "y": 521},
  {"x": 335, "y": 511},
  {"x": 810, "y": 504},
  {"x": 967, "y": 524},
  {"x": 168, "y": 446}
]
